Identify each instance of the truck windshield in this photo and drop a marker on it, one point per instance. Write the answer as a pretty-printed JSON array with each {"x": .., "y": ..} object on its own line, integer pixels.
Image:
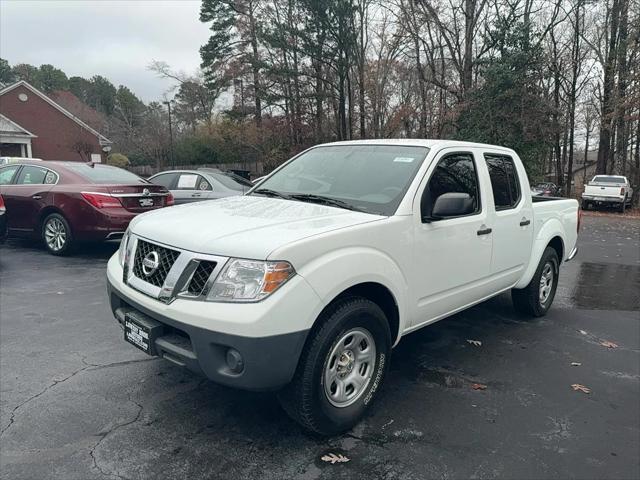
[
  {"x": 608, "y": 179},
  {"x": 367, "y": 178}
]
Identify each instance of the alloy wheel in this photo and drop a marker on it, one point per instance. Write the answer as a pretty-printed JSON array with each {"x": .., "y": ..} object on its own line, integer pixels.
[{"x": 55, "y": 234}]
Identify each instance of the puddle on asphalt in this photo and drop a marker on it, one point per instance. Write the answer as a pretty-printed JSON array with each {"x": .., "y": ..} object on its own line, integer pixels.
[{"x": 605, "y": 286}]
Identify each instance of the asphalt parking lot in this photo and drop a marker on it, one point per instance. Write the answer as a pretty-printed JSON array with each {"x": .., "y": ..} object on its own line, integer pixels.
[{"x": 77, "y": 402}]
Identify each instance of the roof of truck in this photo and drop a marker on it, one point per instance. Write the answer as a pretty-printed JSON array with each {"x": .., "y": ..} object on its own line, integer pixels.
[{"x": 418, "y": 142}]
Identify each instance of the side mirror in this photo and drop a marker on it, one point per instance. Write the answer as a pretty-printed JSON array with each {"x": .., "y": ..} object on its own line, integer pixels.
[{"x": 452, "y": 204}]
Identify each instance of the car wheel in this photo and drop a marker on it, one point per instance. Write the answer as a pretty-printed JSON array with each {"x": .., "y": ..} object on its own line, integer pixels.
[
  {"x": 536, "y": 298},
  {"x": 56, "y": 234},
  {"x": 623, "y": 205},
  {"x": 584, "y": 205},
  {"x": 341, "y": 367}
]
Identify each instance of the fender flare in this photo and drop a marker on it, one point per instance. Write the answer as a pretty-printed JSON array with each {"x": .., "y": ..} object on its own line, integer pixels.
[
  {"x": 553, "y": 228},
  {"x": 332, "y": 273}
]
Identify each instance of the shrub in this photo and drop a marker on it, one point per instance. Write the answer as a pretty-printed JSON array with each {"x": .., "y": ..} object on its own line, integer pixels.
[{"x": 118, "y": 160}]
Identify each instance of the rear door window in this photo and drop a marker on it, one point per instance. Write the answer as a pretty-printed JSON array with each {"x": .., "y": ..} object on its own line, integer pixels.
[
  {"x": 504, "y": 181},
  {"x": 30, "y": 175},
  {"x": 192, "y": 181}
]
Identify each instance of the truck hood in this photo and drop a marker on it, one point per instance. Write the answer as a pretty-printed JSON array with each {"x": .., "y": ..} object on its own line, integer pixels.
[{"x": 244, "y": 226}]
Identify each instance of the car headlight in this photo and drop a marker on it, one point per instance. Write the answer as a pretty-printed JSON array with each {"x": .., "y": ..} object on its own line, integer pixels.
[
  {"x": 122, "y": 251},
  {"x": 249, "y": 280}
]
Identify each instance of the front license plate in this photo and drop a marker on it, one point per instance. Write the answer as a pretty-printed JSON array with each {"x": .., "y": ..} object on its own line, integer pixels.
[
  {"x": 137, "y": 334},
  {"x": 146, "y": 202}
]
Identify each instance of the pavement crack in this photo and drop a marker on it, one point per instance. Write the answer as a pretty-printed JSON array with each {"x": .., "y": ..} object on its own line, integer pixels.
[
  {"x": 12, "y": 418},
  {"x": 108, "y": 432},
  {"x": 87, "y": 366},
  {"x": 100, "y": 366}
]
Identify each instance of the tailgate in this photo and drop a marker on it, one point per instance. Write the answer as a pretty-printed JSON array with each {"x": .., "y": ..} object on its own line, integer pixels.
[
  {"x": 604, "y": 190},
  {"x": 140, "y": 198}
]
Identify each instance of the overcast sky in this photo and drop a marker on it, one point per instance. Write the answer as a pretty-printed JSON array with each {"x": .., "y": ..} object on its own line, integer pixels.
[{"x": 116, "y": 39}]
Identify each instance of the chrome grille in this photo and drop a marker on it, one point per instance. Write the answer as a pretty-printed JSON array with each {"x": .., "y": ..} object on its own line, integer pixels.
[
  {"x": 166, "y": 258},
  {"x": 200, "y": 277}
]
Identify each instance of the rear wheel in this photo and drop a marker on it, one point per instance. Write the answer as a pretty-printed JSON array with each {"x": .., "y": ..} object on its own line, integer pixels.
[
  {"x": 56, "y": 234},
  {"x": 536, "y": 298},
  {"x": 623, "y": 205},
  {"x": 341, "y": 368}
]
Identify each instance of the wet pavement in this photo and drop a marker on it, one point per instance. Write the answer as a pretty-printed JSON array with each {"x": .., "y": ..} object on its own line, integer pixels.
[{"x": 76, "y": 402}]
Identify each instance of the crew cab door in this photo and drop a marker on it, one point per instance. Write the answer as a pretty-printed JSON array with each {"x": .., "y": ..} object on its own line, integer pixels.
[
  {"x": 452, "y": 256},
  {"x": 512, "y": 221}
]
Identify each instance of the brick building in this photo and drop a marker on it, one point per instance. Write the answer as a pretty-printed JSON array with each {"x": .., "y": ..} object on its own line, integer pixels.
[{"x": 34, "y": 125}]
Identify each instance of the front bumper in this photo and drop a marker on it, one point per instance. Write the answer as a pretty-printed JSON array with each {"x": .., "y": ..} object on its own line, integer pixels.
[
  {"x": 268, "y": 362},
  {"x": 198, "y": 335}
]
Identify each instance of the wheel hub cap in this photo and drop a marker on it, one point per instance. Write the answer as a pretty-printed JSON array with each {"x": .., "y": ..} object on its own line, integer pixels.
[
  {"x": 349, "y": 367},
  {"x": 546, "y": 282}
]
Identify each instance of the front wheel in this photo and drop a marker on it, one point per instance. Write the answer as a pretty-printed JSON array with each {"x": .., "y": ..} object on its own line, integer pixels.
[
  {"x": 536, "y": 298},
  {"x": 56, "y": 234},
  {"x": 341, "y": 368}
]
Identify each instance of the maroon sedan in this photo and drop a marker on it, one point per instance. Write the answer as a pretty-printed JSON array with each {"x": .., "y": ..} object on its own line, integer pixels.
[{"x": 67, "y": 202}]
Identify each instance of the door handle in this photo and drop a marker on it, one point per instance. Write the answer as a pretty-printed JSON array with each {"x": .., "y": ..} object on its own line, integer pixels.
[
  {"x": 524, "y": 222},
  {"x": 196, "y": 194},
  {"x": 484, "y": 231},
  {"x": 36, "y": 197}
]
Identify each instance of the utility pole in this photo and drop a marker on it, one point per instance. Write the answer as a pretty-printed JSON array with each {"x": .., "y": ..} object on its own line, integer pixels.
[{"x": 173, "y": 160}]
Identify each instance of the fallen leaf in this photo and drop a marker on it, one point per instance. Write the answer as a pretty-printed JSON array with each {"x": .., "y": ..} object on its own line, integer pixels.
[
  {"x": 333, "y": 458},
  {"x": 476, "y": 343},
  {"x": 580, "y": 388},
  {"x": 478, "y": 386},
  {"x": 608, "y": 344},
  {"x": 575, "y": 364},
  {"x": 582, "y": 332}
]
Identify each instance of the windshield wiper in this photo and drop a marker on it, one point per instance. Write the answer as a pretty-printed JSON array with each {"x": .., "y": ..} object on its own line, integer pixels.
[
  {"x": 334, "y": 202},
  {"x": 271, "y": 193}
]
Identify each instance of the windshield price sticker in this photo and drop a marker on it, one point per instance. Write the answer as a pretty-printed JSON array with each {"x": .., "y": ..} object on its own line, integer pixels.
[{"x": 403, "y": 159}]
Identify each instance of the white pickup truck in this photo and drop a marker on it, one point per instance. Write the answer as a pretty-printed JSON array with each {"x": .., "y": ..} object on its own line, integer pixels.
[
  {"x": 304, "y": 284},
  {"x": 608, "y": 190}
]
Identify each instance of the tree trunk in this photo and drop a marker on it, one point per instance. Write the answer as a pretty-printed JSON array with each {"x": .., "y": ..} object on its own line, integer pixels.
[
  {"x": 604, "y": 144},
  {"x": 621, "y": 124}
]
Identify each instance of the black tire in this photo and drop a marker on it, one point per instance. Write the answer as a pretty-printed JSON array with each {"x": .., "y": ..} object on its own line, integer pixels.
[
  {"x": 529, "y": 300},
  {"x": 584, "y": 205},
  {"x": 623, "y": 205},
  {"x": 56, "y": 224},
  {"x": 305, "y": 398}
]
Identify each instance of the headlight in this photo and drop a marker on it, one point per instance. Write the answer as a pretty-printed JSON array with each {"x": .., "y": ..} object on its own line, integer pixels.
[
  {"x": 122, "y": 251},
  {"x": 249, "y": 280}
]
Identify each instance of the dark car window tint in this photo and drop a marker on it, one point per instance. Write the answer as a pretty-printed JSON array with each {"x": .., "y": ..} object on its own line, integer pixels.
[
  {"x": 164, "y": 179},
  {"x": 31, "y": 175},
  {"x": 454, "y": 174},
  {"x": 504, "y": 181},
  {"x": 7, "y": 173},
  {"x": 104, "y": 174}
]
